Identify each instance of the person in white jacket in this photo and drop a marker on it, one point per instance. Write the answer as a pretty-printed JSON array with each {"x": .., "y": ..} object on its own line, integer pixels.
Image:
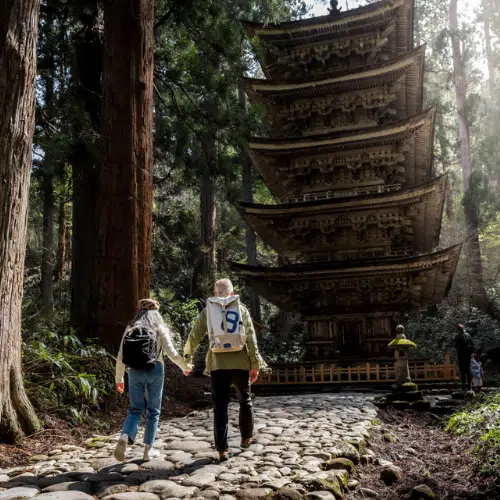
[{"x": 145, "y": 381}]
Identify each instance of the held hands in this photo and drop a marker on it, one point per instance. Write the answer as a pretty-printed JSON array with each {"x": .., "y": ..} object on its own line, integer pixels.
[
  {"x": 254, "y": 375},
  {"x": 189, "y": 370},
  {"x": 120, "y": 387}
]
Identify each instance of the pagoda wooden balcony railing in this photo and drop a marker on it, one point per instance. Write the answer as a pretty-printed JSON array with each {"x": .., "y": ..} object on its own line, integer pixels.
[
  {"x": 367, "y": 373},
  {"x": 326, "y": 195}
]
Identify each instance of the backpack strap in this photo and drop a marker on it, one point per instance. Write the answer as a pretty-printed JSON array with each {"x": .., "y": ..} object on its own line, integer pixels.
[{"x": 224, "y": 317}]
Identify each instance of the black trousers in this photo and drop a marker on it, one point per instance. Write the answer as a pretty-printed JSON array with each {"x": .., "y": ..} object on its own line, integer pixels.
[
  {"x": 464, "y": 367},
  {"x": 221, "y": 381}
]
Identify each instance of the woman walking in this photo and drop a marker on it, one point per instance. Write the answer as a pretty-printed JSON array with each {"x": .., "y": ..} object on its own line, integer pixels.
[{"x": 141, "y": 352}]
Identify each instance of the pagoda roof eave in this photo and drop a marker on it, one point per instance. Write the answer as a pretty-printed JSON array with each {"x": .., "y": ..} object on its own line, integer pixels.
[
  {"x": 272, "y": 96},
  {"x": 341, "y": 269},
  {"x": 298, "y": 145},
  {"x": 342, "y": 19},
  {"x": 365, "y": 202},
  {"x": 324, "y": 29},
  {"x": 270, "y": 157},
  {"x": 270, "y": 221},
  {"x": 288, "y": 286},
  {"x": 336, "y": 77}
]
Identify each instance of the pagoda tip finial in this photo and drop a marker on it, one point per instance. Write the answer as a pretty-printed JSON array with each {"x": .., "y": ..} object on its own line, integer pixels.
[{"x": 334, "y": 8}]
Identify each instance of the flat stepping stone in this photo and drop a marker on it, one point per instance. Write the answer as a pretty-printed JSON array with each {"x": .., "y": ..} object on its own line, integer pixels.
[
  {"x": 211, "y": 468},
  {"x": 179, "y": 456},
  {"x": 83, "y": 486},
  {"x": 106, "y": 489},
  {"x": 25, "y": 478},
  {"x": 253, "y": 493},
  {"x": 168, "y": 489},
  {"x": 65, "y": 495},
  {"x": 45, "y": 482},
  {"x": 19, "y": 492},
  {"x": 188, "y": 446},
  {"x": 160, "y": 465},
  {"x": 132, "y": 495},
  {"x": 212, "y": 494},
  {"x": 199, "y": 480},
  {"x": 103, "y": 463},
  {"x": 320, "y": 495}
]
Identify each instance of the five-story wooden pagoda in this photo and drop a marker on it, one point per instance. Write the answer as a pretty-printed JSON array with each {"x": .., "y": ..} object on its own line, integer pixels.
[{"x": 349, "y": 161}]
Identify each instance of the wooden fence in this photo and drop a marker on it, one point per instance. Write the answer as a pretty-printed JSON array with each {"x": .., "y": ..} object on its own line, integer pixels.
[{"x": 359, "y": 373}]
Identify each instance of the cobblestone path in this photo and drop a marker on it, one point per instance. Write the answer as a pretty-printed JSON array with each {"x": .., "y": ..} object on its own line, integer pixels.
[{"x": 304, "y": 442}]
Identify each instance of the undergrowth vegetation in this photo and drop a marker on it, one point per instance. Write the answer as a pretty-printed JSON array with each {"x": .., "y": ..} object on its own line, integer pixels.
[
  {"x": 65, "y": 376},
  {"x": 480, "y": 422}
]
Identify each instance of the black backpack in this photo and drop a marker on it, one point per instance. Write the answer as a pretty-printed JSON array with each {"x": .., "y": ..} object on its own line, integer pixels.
[
  {"x": 139, "y": 348},
  {"x": 464, "y": 344}
]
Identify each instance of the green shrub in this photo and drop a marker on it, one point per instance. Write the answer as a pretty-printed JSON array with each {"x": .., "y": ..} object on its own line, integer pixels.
[
  {"x": 434, "y": 334},
  {"x": 480, "y": 422},
  {"x": 63, "y": 374}
]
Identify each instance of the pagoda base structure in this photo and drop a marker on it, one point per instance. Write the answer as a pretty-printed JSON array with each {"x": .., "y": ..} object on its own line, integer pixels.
[
  {"x": 350, "y": 337},
  {"x": 352, "y": 308}
]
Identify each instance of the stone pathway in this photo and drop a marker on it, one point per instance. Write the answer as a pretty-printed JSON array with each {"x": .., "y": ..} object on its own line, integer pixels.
[{"x": 306, "y": 446}]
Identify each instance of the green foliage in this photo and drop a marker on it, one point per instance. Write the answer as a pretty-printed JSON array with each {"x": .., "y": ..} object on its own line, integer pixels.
[
  {"x": 272, "y": 346},
  {"x": 180, "y": 312},
  {"x": 480, "y": 422},
  {"x": 434, "y": 334},
  {"x": 64, "y": 375}
]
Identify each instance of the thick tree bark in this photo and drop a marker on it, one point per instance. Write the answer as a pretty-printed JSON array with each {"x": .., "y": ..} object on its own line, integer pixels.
[
  {"x": 62, "y": 223},
  {"x": 124, "y": 220},
  {"x": 47, "y": 264},
  {"x": 492, "y": 97},
  {"x": 285, "y": 318},
  {"x": 489, "y": 55},
  {"x": 251, "y": 239},
  {"x": 18, "y": 37},
  {"x": 47, "y": 267},
  {"x": 207, "y": 264},
  {"x": 86, "y": 88},
  {"x": 474, "y": 262}
]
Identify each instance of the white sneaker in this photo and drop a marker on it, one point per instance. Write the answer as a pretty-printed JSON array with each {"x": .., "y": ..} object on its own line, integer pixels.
[
  {"x": 150, "y": 453},
  {"x": 121, "y": 448}
]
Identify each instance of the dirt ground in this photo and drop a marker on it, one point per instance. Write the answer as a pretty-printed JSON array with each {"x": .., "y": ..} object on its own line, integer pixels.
[{"x": 427, "y": 455}]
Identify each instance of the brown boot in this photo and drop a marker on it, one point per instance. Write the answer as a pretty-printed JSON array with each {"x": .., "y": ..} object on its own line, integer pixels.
[
  {"x": 224, "y": 456},
  {"x": 246, "y": 443}
]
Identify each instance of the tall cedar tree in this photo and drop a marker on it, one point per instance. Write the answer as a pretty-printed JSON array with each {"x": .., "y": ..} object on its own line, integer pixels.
[
  {"x": 474, "y": 262},
  {"x": 121, "y": 268},
  {"x": 86, "y": 71},
  {"x": 18, "y": 38},
  {"x": 250, "y": 236},
  {"x": 47, "y": 265}
]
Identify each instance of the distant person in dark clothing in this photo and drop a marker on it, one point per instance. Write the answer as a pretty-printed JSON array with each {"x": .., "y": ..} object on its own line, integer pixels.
[{"x": 465, "y": 347}]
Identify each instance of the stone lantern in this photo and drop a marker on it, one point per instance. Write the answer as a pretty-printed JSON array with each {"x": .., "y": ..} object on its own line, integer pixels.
[
  {"x": 401, "y": 346},
  {"x": 405, "y": 394}
]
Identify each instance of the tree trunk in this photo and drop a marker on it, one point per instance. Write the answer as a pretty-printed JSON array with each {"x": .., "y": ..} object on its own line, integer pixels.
[
  {"x": 47, "y": 264},
  {"x": 62, "y": 221},
  {"x": 207, "y": 266},
  {"x": 47, "y": 267},
  {"x": 489, "y": 56},
  {"x": 124, "y": 220},
  {"x": 492, "y": 97},
  {"x": 251, "y": 240},
  {"x": 86, "y": 88},
  {"x": 18, "y": 36},
  {"x": 474, "y": 262},
  {"x": 285, "y": 318}
]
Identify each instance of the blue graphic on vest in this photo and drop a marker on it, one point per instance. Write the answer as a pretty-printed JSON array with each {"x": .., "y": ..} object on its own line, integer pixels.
[{"x": 232, "y": 321}]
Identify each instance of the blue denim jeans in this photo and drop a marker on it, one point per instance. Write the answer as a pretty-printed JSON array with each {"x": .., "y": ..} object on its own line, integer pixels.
[{"x": 141, "y": 382}]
